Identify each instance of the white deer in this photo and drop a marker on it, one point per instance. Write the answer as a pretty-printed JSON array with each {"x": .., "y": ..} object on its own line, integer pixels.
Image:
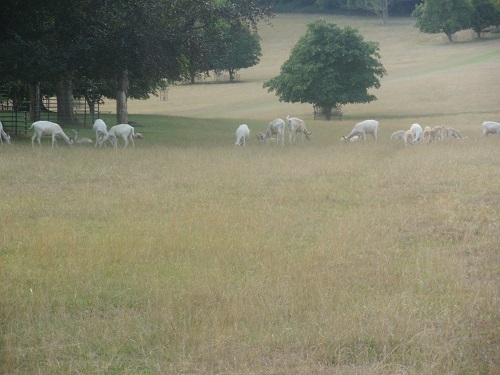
[
  {"x": 242, "y": 134},
  {"x": 417, "y": 132},
  {"x": 124, "y": 131},
  {"x": 490, "y": 127},
  {"x": 81, "y": 140},
  {"x": 277, "y": 127},
  {"x": 49, "y": 128},
  {"x": 452, "y": 132},
  {"x": 4, "y": 135},
  {"x": 296, "y": 125},
  {"x": 101, "y": 130},
  {"x": 362, "y": 129}
]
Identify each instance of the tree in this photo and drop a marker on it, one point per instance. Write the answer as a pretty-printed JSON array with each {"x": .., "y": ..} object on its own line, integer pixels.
[
  {"x": 40, "y": 45},
  {"x": 147, "y": 40},
  {"x": 197, "y": 56},
  {"x": 497, "y": 14},
  {"x": 241, "y": 49},
  {"x": 484, "y": 14},
  {"x": 221, "y": 46},
  {"x": 328, "y": 67},
  {"x": 399, "y": 7},
  {"x": 132, "y": 43},
  {"x": 443, "y": 16},
  {"x": 379, "y": 7},
  {"x": 404, "y": 7}
]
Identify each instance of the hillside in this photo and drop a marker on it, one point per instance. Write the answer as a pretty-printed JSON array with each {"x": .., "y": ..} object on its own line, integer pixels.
[{"x": 427, "y": 77}]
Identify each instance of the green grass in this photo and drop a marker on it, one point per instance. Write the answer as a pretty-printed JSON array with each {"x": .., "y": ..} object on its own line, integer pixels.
[
  {"x": 186, "y": 254},
  {"x": 471, "y": 61}
]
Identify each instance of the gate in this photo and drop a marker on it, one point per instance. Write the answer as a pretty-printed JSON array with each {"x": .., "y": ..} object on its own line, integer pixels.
[{"x": 15, "y": 116}]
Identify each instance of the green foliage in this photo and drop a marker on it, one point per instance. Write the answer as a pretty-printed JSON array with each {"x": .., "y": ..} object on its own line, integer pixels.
[
  {"x": 241, "y": 49},
  {"x": 220, "y": 46},
  {"x": 100, "y": 40},
  {"x": 484, "y": 14},
  {"x": 497, "y": 13},
  {"x": 39, "y": 40},
  {"x": 329, "y": 66},
  {"x": 443, "y": 16}
]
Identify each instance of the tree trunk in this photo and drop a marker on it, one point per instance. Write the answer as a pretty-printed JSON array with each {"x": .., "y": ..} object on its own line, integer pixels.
[
  {"x": 328, "y": 112},
  {"x": 385, "y": 16},
  {"x": 90, "y": 99},
  {"x": 65, "y": 113},
  {"x": 121, "y": 98}
]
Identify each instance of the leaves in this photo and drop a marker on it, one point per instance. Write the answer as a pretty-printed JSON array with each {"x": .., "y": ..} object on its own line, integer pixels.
[
  {"x": 96, "y": 40},
  {"x": 446, "y": 16},
  {"x": 329, "y": 66}
]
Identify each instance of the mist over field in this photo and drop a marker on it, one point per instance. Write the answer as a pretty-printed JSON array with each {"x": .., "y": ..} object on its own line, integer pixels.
[{"x": 186, "y": 254}]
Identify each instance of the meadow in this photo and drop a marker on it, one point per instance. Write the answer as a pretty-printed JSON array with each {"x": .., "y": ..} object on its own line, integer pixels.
[{"x": 188, "y": 255}]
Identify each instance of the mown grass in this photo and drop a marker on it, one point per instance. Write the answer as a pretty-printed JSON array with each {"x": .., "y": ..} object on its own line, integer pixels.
[{"x": 186, "y": 254}]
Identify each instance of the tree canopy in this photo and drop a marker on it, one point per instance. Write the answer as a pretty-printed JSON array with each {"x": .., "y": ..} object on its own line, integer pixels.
[
  {"x": 484, "y": 13},
  {"x": 329, "y": 66},
  {"x": 450, "y": 16},
  {"x": 443, "y": 16},
  {"x": 242, "y": 49},
  {"x": 134, "y": 45},
  {"x": 231, "y": 48}
]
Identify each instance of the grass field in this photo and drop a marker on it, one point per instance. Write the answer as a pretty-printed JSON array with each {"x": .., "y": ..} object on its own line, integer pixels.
[{"x": 188, "y": 255}]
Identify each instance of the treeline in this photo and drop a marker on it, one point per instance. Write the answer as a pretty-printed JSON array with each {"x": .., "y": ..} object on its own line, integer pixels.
[
  {"x": 396, "y": 7},
  {"x": 119, "y": 49}
]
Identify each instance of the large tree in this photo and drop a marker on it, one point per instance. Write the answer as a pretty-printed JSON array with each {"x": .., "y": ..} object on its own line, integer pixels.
[
  {"x": 443, "y": 16},
  {"x": 329, "y": 66}
]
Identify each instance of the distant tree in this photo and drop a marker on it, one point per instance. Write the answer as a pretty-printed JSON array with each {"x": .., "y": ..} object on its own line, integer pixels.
[
  {"x": 328, "y": 67},
  {"x": 404, "y": 7},
  {"x": 497, "y": 13},
  {"x": 484, "y": 14},
  {"x": 379, "y": 7},
  {"x": 443, "y": 16},
  {"x": 400, "y": 7},
  {"x": 241, "y": 49},
  {"x": 196, "y": 54},
  {"x": 222, "y": 47}
]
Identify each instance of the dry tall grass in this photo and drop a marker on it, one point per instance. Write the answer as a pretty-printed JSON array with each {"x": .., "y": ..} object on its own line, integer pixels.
[
  {"x": 194, "y": 256},
  {"x": 321, "y": 258}
]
